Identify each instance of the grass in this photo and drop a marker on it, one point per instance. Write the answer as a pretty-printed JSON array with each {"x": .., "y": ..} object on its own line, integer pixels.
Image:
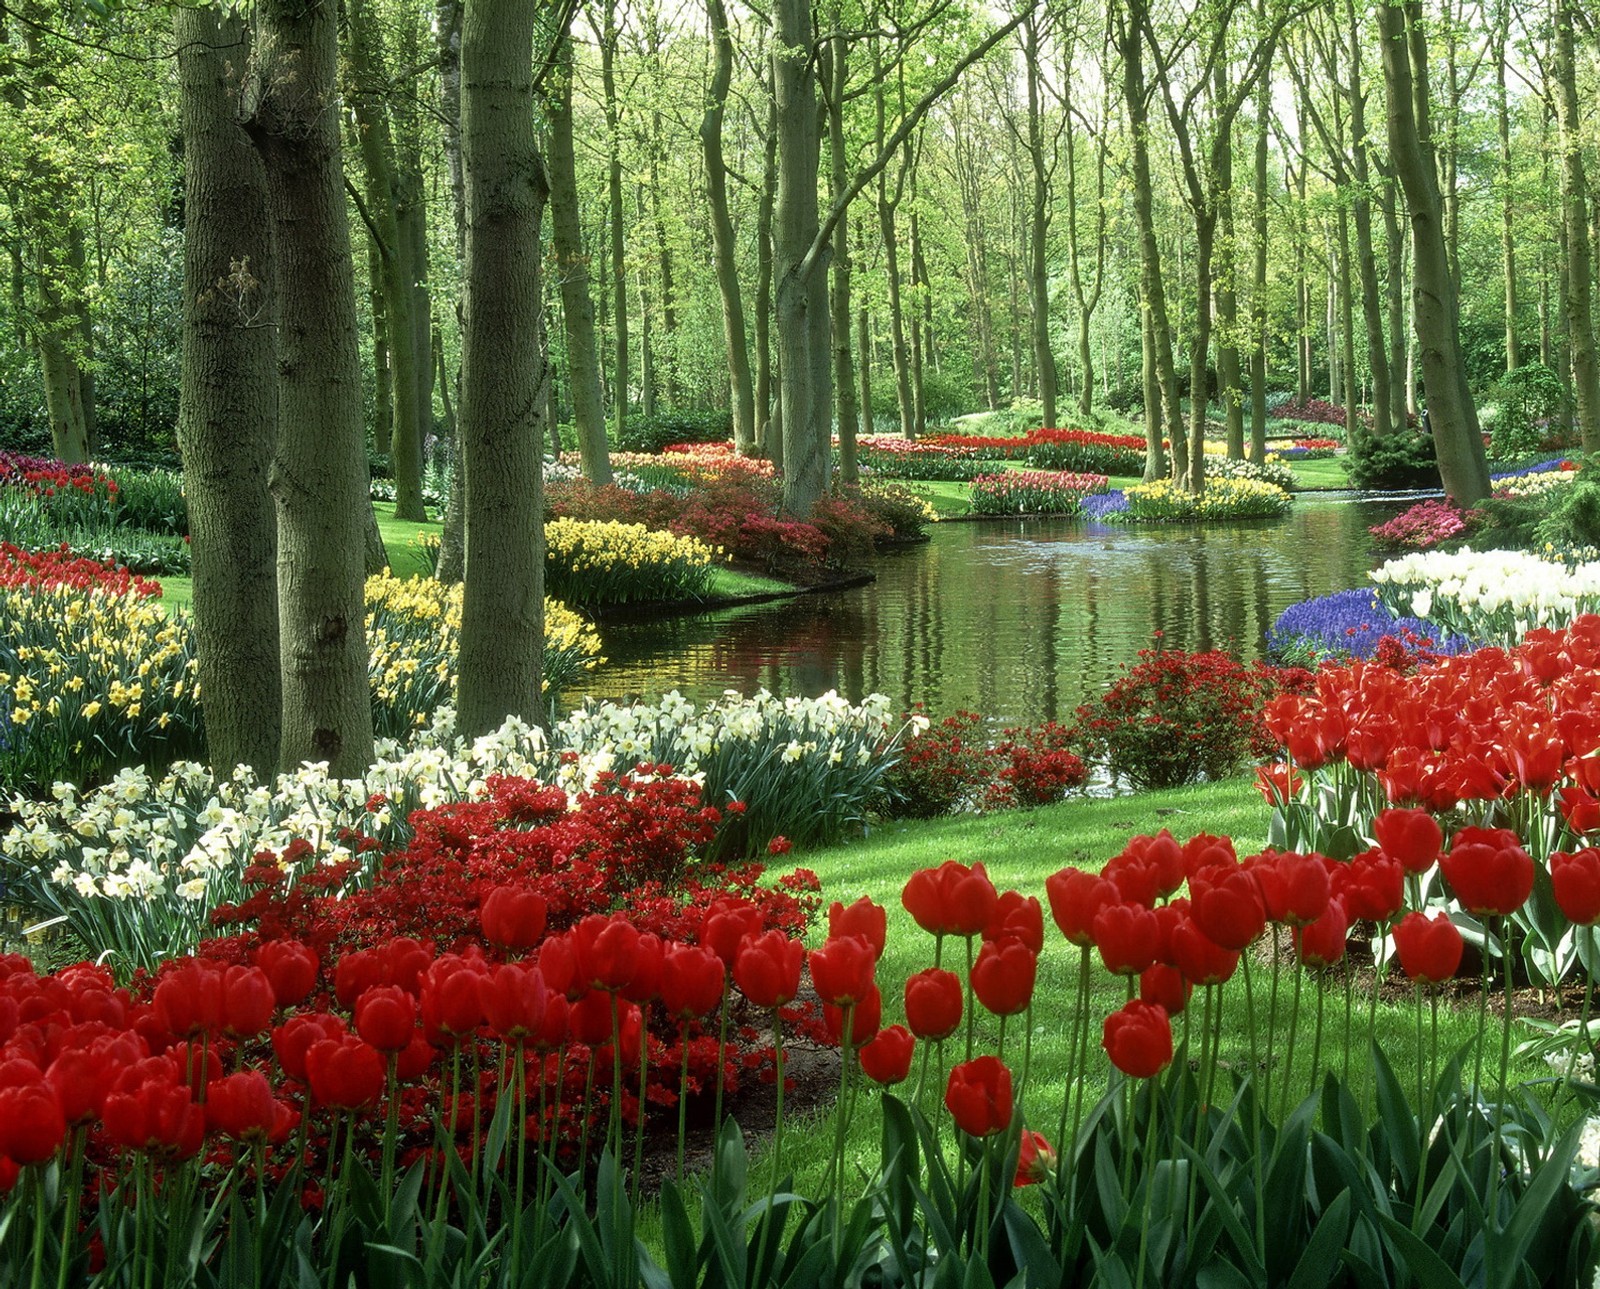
[
  {"x": 1020, "y": 849},
  {"x": 1327, "y": 473}
]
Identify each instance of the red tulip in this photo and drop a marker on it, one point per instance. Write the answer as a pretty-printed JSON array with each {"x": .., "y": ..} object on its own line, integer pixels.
[
  {"x": 513, "y": 999},
  {"x": 355, "y": 973},
  {"x": 31, "y": 1123},
  {"x": 241, "y": 1107},
  {"x": 293, "y": 1039},
  {"x": 450, "y": 1002},
  {"x": 1411, "y": 837},
  {"x": 386, "y": 1017},
  {"x": 1371, "y": 886},
  {"x": 978, "y": 1096},
  {"x": 1017, "y": 917},
  {"x": 1294, "y": 887},
  {"x": 1430, "y": 949},
  {"x": 1488, "y": 870},
  {"x": 558, "y": 964},
  {"x": 608, "y": 950},
  {"x": 590, "y": 1018},
  {"x": 951, "y": 899},
  {"x": 1036, "y": 1159},
  {"x": 1202, "y": 960},
  {"x": 1076, "y": 898},
  {"x": 291, "y": 969},
  {"x": 886, "y": 1059},
  {"x": 866, "y": 1017},
  {"x": 1576, "y": 879},
  {"x": 726, "y": 924},
  {"x": 692, "y": 981},
  {"x": 513, "y": 917},
  {"x": 345, "y": 1073},
  {"x": 1580, "y": 808},
  {"x": 188, "y": 998},
  {"x": 1227, "y": 906},
  {"x": 1003, "y": 976},
  {"x": 863, "y": 918},
  {"x": 842, "y": 970},
  {"x": 933, "y": 1003},
  {"x": 1163, "y": 854},
  {"x": 645, "y": 984},
  {"x": 1322, "y": 943},
  {"x": 1126, "y": 935},
  {"x": 151, "y": 1109},
  {"x": 1166, "y": 987},
  {"x": 1138, "y": 1039},
  {"x": 402, "y": 962},
  {"x": 768, "y": 969}
]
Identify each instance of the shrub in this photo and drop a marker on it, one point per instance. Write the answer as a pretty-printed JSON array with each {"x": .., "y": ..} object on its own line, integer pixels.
[
  {"x": 1175, "y": 717},
  {"x": 1165, "y": 502},
  {"x": 1318, "y": 411},
  {"x": 951, "y": 765},
  {"x": 152, "y": 500},
  {"x": 851, "y": 529},
  {"x": 1425, "y": 525},
  {"x": 888, "y": 456},
  {"x": 1529, "y": 397},
  {"x": 600, "y": 562},
  {"x": 1398, "y": 461},
  {"x": 1034, "y": 492},
  {"x": 653, "y": 433},
  {"x": 1574, "y": 518},
  {"x": 901, "y": 510}
]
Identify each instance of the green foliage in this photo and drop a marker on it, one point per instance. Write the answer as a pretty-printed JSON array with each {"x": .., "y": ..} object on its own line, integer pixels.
[
  {"x": 152, "y": 500},
  {"x": 1574, "y": 518},
  {"x": 678, "y": 425},
  {"x": 1402, "y": 460},
  {"x": 1273, "y": 472},
  {"x": 905, "y": 513},
  {"x": 1529, "y": 397}
]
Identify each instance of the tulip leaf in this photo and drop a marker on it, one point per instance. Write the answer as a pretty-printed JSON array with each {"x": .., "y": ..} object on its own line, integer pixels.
[
  {"x": 1428, "y": 1267},
  {"x": 1321, "y": 1256},
  {"x": 1511, "y": 1245},
  {"x": 1394, "y": 1112},
  {"x": 677, "y": 1236},
  {"x": 1225, "y": 1206}
]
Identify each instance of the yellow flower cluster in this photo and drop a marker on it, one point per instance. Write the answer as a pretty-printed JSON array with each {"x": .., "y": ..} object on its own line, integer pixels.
[
  {"x": 414, "y": 633},
  {"x": 605, "y": 562},
  {"x": 89, "y": 677},
  {"x": 1165, "y": 501}
]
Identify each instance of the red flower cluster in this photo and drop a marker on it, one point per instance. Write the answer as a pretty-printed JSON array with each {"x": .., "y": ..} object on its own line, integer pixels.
[
  {"x": 953, "y": 765},
  {"x": 60, "y": 567}
]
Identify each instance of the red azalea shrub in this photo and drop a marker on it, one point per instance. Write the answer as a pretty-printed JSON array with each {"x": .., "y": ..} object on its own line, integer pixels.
[
  {"x": 60, "y": 567},
  {"x": 1176, "y": 716},
  {"x": 953, "y": 766},
  {"x": 1426, "y": 525},
  {"x": 1319, "y": 411}
]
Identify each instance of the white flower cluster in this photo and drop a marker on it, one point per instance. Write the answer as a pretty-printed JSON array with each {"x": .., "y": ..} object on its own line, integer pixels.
[
  {"x": 1491, "y": 596},
  {"x": 139, "y": 861},
  {"x": 1534, "y": 485}
]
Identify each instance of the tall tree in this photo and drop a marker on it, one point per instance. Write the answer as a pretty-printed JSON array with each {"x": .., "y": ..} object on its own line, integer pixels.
[
  {"x": 1575, "y": 221},
  {"x": 503, "y": 369},
  {"x": 1457, "y": 439},
  {"x": 572, "y": 267},
  {"x": 228, "y": 409},
  {"x": 319, "y": 478}
]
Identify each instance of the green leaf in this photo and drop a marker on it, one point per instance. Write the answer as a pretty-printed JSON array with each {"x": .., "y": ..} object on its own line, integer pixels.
[
  {"x": 1399, "y": 1125},
  {"x": 1322, "y": 1252},
  {"x": 1429, "y": 1268}
]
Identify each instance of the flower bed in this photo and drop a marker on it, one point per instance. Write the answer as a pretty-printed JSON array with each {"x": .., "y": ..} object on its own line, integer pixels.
[
  {"x": 61, "y": 567},
  {"x": 601, "y": 562},
  {"x": 1491, "y": 596},
  {"x": 1308, "y": 449},
  {"x": 1354, "y": 624},
  {"x": 1086, "y": 451},
  {"x": 1271, "y": 472},
  {"x": 1165, "y": 502},
  {"x": 1318, "y": 411},
  {"x": 1425, "y": 525},
  {"x": 888, "y": 456},
  {"x": 1033, "y": 492},
  {"x": 952, "y": 765}
]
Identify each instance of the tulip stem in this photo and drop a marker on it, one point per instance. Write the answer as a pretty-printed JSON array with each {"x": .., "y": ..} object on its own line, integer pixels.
[
  {"x": 391, "y": 1131},
  {"x": 683, "y": 1093},
  {"x": 971, "y": 1005},
  {"x": 841, "y": 1117},
  {"x": 1256, "y": 1151},
  {"x": 1288, "y": 1056},
  {"x": 522, "y": 1153},
  {"x": 1505, "y": 1067},
  {"x": 1583, "y": 1021},
  {"x": 1316, "y": 1041},
  {"x": 1150, "y": 1181},
  {"x": 1422, "y": 1115},
  {"x": 1272, "y": 1016},
  {"x": 69, "y": 1219},
  {"x": 722, "y": 1061},
  {"x": 638, "y": 1127},
  {"x": 39, "y": 1211}
]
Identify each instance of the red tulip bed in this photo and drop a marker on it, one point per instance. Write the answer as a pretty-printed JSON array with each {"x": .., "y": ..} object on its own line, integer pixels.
[{"x": 445, "y": 1065}]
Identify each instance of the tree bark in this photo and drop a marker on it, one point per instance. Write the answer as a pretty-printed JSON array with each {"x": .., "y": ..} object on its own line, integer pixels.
[
  {"x": 1044, "y": 359},
  {"x": 619, "y": 259},
  {"x": 724, "y": 245},
  {"x": 319, "y": 476},
  {"x": 1575, "y": 221},
  {"x": 228, "y": 403},
  {"x": 768, "y": 443},
  {"x": 504, "y": 371},
  {"x": 367, "y": 75},
  {"x": 1259, "y": 334},
  {"x": 836, "y": 80},
  {"x": 1457, "y": 439},
  {"x": 583, "y": 360},
  {"x": 1508, "y": 248}
]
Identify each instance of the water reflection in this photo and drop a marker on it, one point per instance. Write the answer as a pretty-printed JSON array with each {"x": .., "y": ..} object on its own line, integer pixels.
[{"x": 1021, "y": 621}]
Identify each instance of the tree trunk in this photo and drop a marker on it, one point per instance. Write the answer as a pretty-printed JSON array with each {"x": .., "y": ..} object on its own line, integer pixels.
[
  {"x": 503, "y": 371},
  {"x": 1575, "y": 221},
  {"x": 802, "y": 300},
  {"x": 1227, "y": 297},
  {"x": 836, "y": 72},
  {"x": 619, "y": 258},
  {"x": 864, "y": 367},
  {"x": 1155, "y": 456},
  {"x": 1399, "y": 321},
  {"x": 1459, "y": 444},
  {"x": 1259, "y": 334},
  {"x": 768, "y": 444},
  {"x": 382, "y": 373},
  {"x": 1383, "y": 417},
  {"x": 367, "y": 74},
  {"x": 583, "y": 361},
  {"x": 724, "y": 244},
  {"x": 228, "y": 405},
  {"x": 319, "y": 476},
  {"x": 1044, "y": 360},
  {"x": 1135, "y": 96},
  {"x": 1508, "y": 249}
]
